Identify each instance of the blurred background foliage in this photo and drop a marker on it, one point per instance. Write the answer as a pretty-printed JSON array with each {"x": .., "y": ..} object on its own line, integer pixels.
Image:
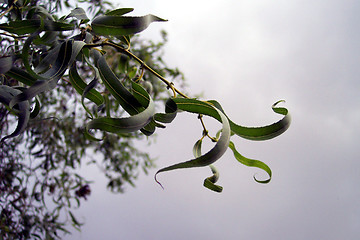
[{"x": 39, "y": 169}]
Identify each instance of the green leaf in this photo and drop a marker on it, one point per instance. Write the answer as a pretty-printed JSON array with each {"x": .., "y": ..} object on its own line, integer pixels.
[
  {"x": 67, "y": 54},
  {"x": 22, "y": 27},
  {"x": 87, "y": 89},
  {"x": 170, "y": 112},
  {"x": 221, "y": 145},
  {"x": 197, "y": 148},
  {"x": 120, "y": 25},
  {"x": 22, "y": 111},
  {"x": 21, "y": 76},
  {"x": 210, "y": 181},
  {"x": 251, "y": 163},
  {"x": 261, "y": 133},
  {"x": 150, "y": 128},
  {"x": 74, "y": 220},
  {"x": 128, "y": 102},
  {"x": 119, "y": 12},
  {"x": 126, "y": 124},
  {"x": 36, "y": 109},
  {"x": 79, "y": 84}
]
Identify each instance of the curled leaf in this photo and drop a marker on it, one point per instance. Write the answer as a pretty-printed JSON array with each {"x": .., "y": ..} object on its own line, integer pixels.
[
  {"x": 251, "y": 163},
  {"x": 127, "y": 100},
  {"x": 79, "y": 84},
  {"x": 261, "y": 133},
  {"x": 21, "y": 76},
  {"x": 216, "y": 152},
  {"x": 170, "y": 112},
  {"x": 66, "y": 55},
  {"x": 210, "y": 181},
  {"x": 126, "y": 124},
  {"x": 22, "y": 110}
]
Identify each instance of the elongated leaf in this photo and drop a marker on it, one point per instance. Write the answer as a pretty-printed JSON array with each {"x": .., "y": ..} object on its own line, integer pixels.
[
  {"x": 170, "y": 112},
  {"x": 23, "y": 110},
  {"x": 210, "y": 181},
  {"x": 251, "y": 163},
  {"x": 117, "y": 89},
  {"x": 120, "y": 25},
  {"x": 197, "y": 148},
  {"x": 79, "y": 84},
  {"x": 167, "y": 117},
  {"x": 265, "y": 132},
  {"x": 119, "y": 12},
  {"x": 21, "y": 76},
  {"x": 126, "y": 124},
  {"x": 25, "y": 54},
  {"x": 150, "y": 128},
  {"x": 29, "y": 26},
  {"x": 251, "y": 133},
  {"x": 67, "y": 54},
  {"x": 217, "y": 151},
  {"x": 36, "y": 109}
]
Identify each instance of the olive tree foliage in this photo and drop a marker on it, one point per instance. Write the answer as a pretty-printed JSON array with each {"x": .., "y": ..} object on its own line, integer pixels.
[{"x": 82, "y": 88}]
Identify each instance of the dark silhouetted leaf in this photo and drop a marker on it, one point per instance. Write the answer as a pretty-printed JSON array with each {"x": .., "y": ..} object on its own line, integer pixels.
[
  {"x": 120, "y": 25},
  {"x": 221, "y": 145},
  {"x": 22, "y": 27},
  {"x": 22, "y": 111},
  {"x": 119, "y": 12},
  {"x": 78, "y": 83}
]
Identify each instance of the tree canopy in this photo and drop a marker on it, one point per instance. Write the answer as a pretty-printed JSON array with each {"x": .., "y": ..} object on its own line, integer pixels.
[{"x": 81, "y": 88}]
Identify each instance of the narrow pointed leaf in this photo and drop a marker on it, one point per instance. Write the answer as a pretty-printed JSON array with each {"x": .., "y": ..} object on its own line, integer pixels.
[
  {"x": 251, "y": 163},
  {"x": 29, "y": 26},
  {"x": 197, "y": 148},
  {"x": 120, "y": 25},
  {"x": 265, "y": 132},
  {"x": 215, "y": 153},
  {"x": 117, "y": 89},
  {"x": 150, "y": 128},
  {"x": 119, "y": 12},
  {"x": 87, "y": 89},
  {"x": 210, "y": 181},
  {"x": 36, "y": 109},
  {"x": 21, "y": 76},
  {"x": 126, "y": 124},
  {"x": 170, "y": 112},
  {"x": 79, "y": 84},
  {"x": 67, "y": 54}
]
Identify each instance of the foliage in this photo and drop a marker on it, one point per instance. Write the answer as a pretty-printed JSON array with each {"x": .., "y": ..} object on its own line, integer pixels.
[{"x": 75, "y": 88}]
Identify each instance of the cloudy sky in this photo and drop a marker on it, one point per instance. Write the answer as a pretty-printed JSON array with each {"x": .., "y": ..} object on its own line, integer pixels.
[{"x": 248, "y": 54}]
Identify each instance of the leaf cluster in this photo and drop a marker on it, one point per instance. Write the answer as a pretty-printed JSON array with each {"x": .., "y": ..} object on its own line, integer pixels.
[{"x": 77, "y": 86}]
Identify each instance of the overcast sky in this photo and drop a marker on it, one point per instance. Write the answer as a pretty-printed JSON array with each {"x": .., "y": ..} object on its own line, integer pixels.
[{"x": 247, "y": 55}]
